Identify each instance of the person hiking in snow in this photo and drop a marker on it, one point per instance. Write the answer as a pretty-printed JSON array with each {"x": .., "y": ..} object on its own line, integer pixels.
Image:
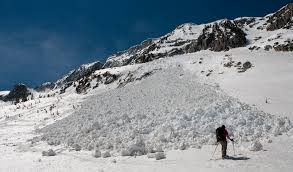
[{"x": 222, "y": 134}]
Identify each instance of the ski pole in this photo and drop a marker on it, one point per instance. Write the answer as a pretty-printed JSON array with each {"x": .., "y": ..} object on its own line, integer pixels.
[
  {"x": 214, "y": 151},
  {"x": 233, "y": 148}
]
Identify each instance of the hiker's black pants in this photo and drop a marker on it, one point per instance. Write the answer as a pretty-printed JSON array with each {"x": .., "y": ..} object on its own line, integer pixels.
[{"x": 224, "y": 147}]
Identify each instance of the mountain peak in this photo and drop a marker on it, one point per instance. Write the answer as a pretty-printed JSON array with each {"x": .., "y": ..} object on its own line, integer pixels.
[{"x": 282, "y": 19}]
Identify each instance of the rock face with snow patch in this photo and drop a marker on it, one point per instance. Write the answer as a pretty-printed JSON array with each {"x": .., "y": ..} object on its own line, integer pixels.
[
  {"x": 218, "y": 37},
  {"x": 66, "y": 81},
  {"x": 83, "y": 71},
  {"x": 272, "y": 32},
  {"x": 19, "y": 93},
  {"x": 281, "y": 19},
  {"x": 45, "y": 86},
  {"x": 187, "y": 38}
]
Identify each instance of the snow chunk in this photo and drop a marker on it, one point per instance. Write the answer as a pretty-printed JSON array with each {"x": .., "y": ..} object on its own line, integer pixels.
[
  {"x": 255, "y": 146},
  {"x": 50, "y": 152},
  {"x": 106, "y": 154},
  {"x": 160, "y": 155},
  {"x": 135, "y": 149}
]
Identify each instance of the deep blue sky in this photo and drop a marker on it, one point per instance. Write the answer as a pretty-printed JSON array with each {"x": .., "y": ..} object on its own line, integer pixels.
[{"x": 40, "y": 40}]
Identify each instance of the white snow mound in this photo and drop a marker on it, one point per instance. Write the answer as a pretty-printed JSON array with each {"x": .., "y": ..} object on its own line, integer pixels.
[{"x": 167, "y": 109}]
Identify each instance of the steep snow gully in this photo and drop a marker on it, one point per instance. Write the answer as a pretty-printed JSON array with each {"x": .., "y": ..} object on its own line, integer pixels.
[{"x": 171, "y": 109}]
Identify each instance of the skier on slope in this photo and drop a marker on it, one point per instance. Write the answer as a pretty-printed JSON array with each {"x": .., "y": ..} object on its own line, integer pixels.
[{"x": 221, "y": 134}]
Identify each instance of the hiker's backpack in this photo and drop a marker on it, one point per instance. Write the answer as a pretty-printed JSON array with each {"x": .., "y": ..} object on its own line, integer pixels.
[{"x": 220, "y": 134}]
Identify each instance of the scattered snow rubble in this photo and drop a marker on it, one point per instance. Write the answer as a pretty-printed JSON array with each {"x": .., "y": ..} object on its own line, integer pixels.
[
  {"x": 255, "y": 146},
  {"x": 171, "y": 109}
]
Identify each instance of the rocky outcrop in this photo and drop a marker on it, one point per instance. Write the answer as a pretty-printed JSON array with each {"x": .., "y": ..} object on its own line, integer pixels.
[
  {"x": 284, "y": 47},
  {"x": 66, "y": 81},
  {"x": 218, "y": 37},
  {"x": 245, "y": 21},
  {"x": 82, "y": 71},
  {"x": 19, "y": 93},
  {"x": 45, "y": 86},
  {"x": 281, "y": 19},
  {"x": 135, "y": 53}
]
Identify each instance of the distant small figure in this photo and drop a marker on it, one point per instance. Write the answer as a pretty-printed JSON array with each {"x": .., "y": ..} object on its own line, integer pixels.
[
  {"x": 221, "y": 134},
  {"x": 267, "y": 100}
]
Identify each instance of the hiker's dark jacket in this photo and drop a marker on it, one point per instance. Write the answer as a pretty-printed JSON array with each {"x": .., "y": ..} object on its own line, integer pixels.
[{"x": 222, "y": 133}]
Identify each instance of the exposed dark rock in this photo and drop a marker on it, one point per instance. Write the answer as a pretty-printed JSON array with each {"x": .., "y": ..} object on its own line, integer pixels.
[
  {"x": 147, "y": 74},
  {"x": 45, "y": 86},
  {"x": 129, "y": 78},
  {"x": 284, "y": 47},
  {"x": 247, "y": 65},
  {"x": 218, "y": 37},
  {"x": 176, "y": 51},
  {"x": 134, "y": 53},
  {"x": 83, "y": 85},
  {"x": 110, "y": 77},
  {"x": 65, "y": 86},
  {"x": 228, "y": 64},
  {"x": 72, "y": 77},
  {"x": 257, "y": 38},
  {"x": 19, "y": 93},
  {"x": 268, "y": 47},
  {"x": 244, "y": 21},
  {"x": 83, "y": 71},
  {"x": 254, "y": 48},
  {"x": 238, "y": 63},
  {"x": 281, "y": 19},
  {"x": 149, "y": 57}
]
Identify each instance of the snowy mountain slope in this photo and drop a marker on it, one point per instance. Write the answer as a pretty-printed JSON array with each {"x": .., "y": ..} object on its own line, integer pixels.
[
  {"x": 73, "y": 76},
  {"x": 254, "y": 33},
  {"x": 273, "y": 31},
  {"x": 166, "y": 79},
  {"x": 175, "y": 101},
  {"x": 179, "y": 110}
]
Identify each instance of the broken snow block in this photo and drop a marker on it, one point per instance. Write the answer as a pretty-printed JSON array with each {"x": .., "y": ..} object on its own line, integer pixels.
[
  {"x": 77, "y": 147},
  {"x": 50, "y": 152},
  {"x": 106, "y": 154},
  {"x": 255, "y": 146},
  {"x": 160, "y": 155}
]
